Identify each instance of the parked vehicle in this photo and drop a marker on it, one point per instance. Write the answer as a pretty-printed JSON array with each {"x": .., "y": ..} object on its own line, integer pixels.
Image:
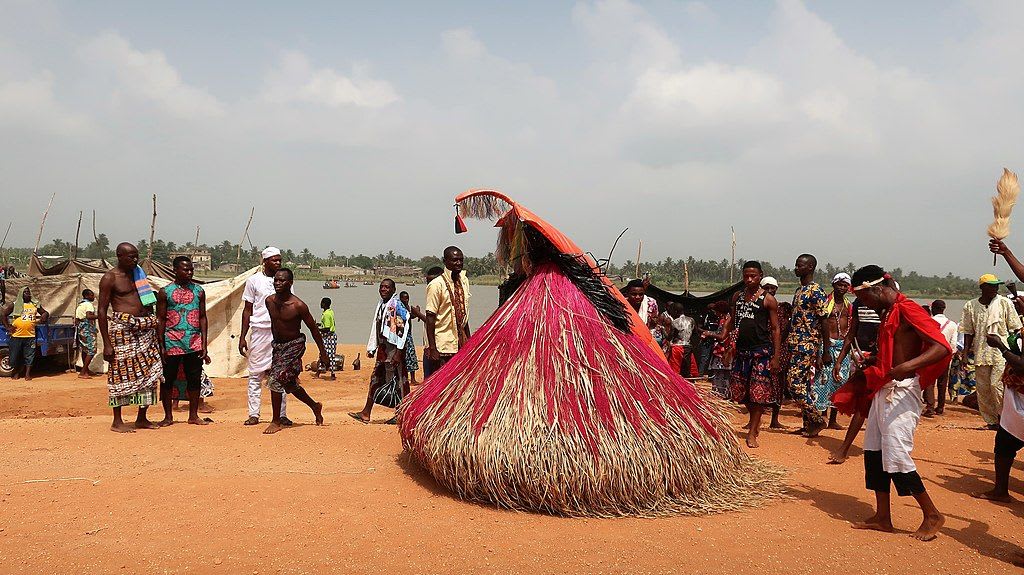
[{"x": 54, "y": 342}]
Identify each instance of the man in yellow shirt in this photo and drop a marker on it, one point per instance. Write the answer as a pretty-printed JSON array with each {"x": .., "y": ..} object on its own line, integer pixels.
[
  {"x": 22, "y": 329},
  {"x": 447, "y": 308}
]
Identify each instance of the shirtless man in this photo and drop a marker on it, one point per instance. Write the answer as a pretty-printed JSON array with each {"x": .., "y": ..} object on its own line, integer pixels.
[
  {"x": 837, "y": 324},
  {"x": 911, "y": 355},
  {"x": 287, "y": 313},
  {"x": 130, "y": 345}
]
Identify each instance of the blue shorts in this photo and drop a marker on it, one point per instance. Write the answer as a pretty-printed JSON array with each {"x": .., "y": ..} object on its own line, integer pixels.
[{"x": 23, "y": 351}]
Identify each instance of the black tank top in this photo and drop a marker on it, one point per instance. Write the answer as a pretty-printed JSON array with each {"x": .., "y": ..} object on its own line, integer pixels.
[{"x": 754, "y": 323}]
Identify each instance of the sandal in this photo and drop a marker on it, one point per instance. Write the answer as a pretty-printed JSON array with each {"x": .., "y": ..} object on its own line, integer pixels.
[
  {"x": 359, "y": 417},
  {"x": 286, "y": 422},
  {"x": 253, "y": 420}
]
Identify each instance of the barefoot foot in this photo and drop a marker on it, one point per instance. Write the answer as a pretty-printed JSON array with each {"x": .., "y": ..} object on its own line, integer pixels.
[
  {"x": 122, "y": 428},
  {"x": 836, "y": 426},
  {"x": 993, "y": 495},
  {"x": 318, "y": 412},
  {"x": 272, "y": 428},
  {"x": 752, "y": 442},
  {"x": 778, "y": 426},
  {"x": 197, "y": 421},
  {"x": 929, "y": 528},
  {"x": 145, "y": 424},
  {"x": 165, "y": 422},
  {"x": 874, "y": 524}
]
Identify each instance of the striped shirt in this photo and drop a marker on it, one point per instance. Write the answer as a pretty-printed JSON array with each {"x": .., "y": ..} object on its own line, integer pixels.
[{"x": 868, "y": 323}]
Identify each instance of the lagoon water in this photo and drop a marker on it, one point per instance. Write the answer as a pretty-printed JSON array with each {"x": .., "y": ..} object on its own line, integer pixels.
[{"x": 353, "y": 307}]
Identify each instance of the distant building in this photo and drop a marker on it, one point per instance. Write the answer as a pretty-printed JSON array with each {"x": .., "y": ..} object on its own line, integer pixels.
[
  {"x": 201, "y": 260},
  {"x": 341, "y": 271},
  {"x": 230, "y": 268},
  {"x": 397, "y": 271}
]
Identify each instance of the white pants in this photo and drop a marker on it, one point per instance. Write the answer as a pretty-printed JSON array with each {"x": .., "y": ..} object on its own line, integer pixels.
[
  {"x": 895, "y": 413},
  {"x": 261, "y": 350},
  {"x": 990, "y": 391}
]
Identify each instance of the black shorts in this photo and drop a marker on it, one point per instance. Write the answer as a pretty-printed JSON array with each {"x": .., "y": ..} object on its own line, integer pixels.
[
  {"x": 876, "y": 478},
  {"x": 1006, "y": 444},
  {"x": 192, "y": 364}
]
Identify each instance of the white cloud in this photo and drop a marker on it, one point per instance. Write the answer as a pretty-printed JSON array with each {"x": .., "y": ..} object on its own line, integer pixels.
[
  {"x": 622, "y": 30},
  {"x": 30, "y": 104},
  {"x": 708, "y": 93},
  {"x": 294, "y": 80},
  {"x": 462, "y": 44},
  {"x": 147, "y": 76}
]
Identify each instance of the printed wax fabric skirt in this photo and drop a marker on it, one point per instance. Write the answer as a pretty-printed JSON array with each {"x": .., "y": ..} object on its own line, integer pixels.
[
  {"x": 752, "y": 380},
  {"x": 87, "y": 337},
  {"x": 826, "y": 385},
  {"x": 331, "y": 344},
  {"x": 286, "y": 365},
  {"x": 388, "y": 380},
  {"x": 137, "y": 371}
]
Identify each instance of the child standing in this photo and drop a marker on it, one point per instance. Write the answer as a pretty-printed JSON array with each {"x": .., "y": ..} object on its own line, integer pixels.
[{"x": 327, "y": 331}]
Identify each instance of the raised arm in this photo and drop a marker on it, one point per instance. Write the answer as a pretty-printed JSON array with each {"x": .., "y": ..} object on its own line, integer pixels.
[
  {"x": 998, "y": 247},
  {"x": 6, "y": 319}
]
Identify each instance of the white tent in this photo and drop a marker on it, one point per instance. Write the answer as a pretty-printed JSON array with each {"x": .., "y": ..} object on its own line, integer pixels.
[{"x": 60, "y": 295}]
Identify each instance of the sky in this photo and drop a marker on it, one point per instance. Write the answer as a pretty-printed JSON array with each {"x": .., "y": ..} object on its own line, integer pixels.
[{"x": 866, "y": 132}]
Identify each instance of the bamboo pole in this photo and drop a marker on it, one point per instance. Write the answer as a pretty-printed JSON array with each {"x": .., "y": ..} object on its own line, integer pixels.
[
  {"x": 4, "y": 242},
  {"x": 74, "y": 253},
  {"x": 732, "y": 261},
  {"x": 238, "y": 257},
  {"x": 195, "y": 244},
  {"x": 639, "y": 249},
  {"x": 39, "y": 237},
  {"x": 152, "y": 231}
]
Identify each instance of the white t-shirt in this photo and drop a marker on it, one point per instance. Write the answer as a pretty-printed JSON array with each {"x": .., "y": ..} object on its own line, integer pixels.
[
  {"x": 948, "y": 328},
  {"x": 258, "y": 287}
]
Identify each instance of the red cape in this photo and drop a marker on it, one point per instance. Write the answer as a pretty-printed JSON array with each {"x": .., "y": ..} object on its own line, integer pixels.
[{"x": 857, "y": 393}]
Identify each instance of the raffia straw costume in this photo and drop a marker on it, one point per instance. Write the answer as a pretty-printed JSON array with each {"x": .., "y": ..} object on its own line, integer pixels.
[{"x": 562, "y": 403}]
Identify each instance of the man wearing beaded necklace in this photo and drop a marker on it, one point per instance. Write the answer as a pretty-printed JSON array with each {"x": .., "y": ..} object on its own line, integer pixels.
[{"x": 837, "y": 321}]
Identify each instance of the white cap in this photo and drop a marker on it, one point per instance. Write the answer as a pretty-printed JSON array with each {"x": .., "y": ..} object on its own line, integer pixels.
[
  {"x": 842, "y": 277},
  {"x": 271, "y": 252},
  {"x": 769, "y": 281}
]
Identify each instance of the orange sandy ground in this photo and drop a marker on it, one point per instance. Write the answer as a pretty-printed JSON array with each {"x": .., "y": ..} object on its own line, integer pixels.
[{"x": 340, "y": 498}]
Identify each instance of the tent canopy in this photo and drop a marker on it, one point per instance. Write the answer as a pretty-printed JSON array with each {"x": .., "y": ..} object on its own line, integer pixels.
[{"x": 60, "y": 293}]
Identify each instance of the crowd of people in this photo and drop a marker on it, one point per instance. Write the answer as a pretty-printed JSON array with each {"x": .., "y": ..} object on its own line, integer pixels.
[
  {"x": 881, "y": 358},
  {"x": 861, "y": 348}
]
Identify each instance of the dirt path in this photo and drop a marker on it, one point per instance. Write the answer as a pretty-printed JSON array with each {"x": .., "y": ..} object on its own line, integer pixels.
[{"x": 341, "y": 498}]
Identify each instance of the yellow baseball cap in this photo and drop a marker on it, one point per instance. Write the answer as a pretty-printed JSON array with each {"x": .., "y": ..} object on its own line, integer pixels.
[{"x": 989, "y": 279}]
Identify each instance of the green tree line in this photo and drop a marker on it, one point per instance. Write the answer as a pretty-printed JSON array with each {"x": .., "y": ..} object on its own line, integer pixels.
[{"x": 709, "y": 274}]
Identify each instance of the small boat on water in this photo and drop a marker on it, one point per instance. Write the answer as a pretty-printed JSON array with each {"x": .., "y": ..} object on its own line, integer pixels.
[
  {"x": 367, "y": 283},
  {"x": 331, "y": 284},
  {"x": 411, "y": 284},
  {"x": 350, "y": 284}
]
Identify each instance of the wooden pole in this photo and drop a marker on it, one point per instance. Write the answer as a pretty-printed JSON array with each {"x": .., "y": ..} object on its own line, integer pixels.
[
  {"x": 195, "y": 245},
  {"x": 152, "y": 231},
  {"x": 74, "y": 254},
  {"x": 4, "y": 242},
  {"x": 639, "y": 249},
  {"x": 732, "y": 261},
  {"x": 238, "y": 257},
  {"x": 686, "y": 278},
  {"x": 95, "y": 237},
  {"x": 39, "y": 237}
]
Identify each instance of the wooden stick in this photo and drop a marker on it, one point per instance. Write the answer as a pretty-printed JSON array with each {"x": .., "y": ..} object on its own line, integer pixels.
[
  {"x": 152, "y": 231},
  {"x": 4, "y": 242},
  {"x": 39, "y": 237},
  {"x": 196, "y": 243},
  {"x": 93, "y": 481},
  {"x": 74, "y": 254},
  {"x": 238, "y": 257},
  {"x": 94, "y": 236},
  {"x": 732, "y": 260},
  {"x": 639, "y": 248},
  {"x": 686, "y": 278}
]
